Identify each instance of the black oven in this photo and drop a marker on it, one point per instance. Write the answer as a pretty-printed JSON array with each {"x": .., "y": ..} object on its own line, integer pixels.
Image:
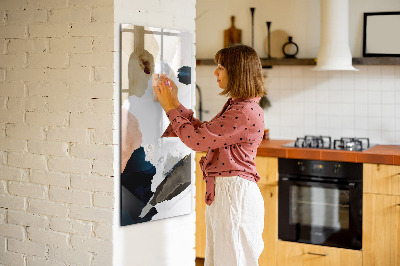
[{"x": 320, "y": 202}]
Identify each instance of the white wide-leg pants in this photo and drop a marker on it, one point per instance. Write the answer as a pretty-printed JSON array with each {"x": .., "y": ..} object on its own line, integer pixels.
[{"x": 234, "y": 223}]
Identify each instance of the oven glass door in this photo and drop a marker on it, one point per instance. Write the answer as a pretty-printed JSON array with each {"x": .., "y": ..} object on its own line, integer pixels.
[{"x": 322, "y": 213}]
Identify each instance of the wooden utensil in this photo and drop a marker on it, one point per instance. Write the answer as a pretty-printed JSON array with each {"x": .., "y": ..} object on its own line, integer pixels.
[{"x": 232, "y": 35}]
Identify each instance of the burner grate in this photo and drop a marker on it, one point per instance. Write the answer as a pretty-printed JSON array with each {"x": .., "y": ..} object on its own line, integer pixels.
[
  {"x": 351, "y": 144},
  {"x": 320, "y": 142}
]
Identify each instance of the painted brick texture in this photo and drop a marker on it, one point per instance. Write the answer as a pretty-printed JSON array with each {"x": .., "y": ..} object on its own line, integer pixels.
[{"x": 56, "y": 127}]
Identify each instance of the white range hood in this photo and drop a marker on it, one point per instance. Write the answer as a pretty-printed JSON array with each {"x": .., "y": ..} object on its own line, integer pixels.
[{"x": 334, "y": 51}]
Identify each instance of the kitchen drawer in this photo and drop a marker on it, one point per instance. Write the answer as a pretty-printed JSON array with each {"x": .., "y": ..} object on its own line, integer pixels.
[
  {"x": 267, "y": 168},
  {"x": 381, "y": 179},
  {"x": 298, "y": 254}
]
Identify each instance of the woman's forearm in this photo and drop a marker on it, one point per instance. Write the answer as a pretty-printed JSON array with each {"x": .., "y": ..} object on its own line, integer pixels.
[{"x": 176, "y": 104}]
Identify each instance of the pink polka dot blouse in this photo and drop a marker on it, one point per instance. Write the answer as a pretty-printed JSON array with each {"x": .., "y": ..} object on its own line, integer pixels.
[{"x": 231, "y": 139}]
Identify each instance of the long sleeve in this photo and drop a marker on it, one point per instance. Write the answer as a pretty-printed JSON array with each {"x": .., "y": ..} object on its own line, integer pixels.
[
  {"x": 186, "y": 113},
  {"x": 222, "y": 131}
]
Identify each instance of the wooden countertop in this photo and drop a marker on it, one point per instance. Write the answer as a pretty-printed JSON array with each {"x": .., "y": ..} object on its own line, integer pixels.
[{"x": 379, "y": 154}]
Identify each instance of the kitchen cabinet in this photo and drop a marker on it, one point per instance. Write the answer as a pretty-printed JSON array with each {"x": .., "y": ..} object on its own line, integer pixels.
[
  {"x": 200, "y": 209},
  {"x": 381, "y": 215},
  {"x": 267, "y": 167},
  {"x": 291, "y": 253},
  {"x": 381, "y": 230},
  {"x": 381, "y": 179},
  {"x": 270, "y": 233}
]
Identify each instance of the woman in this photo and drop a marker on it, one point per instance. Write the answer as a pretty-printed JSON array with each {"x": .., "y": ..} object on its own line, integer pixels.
[{"x": 235, "y": 207}]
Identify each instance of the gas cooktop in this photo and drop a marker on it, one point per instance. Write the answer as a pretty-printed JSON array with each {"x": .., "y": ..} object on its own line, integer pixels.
[{"x": 325, "y": 142}]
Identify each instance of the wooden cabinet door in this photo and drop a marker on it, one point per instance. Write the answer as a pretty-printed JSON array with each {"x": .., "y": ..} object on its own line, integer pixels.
[
  {"x": 381, "y": 179},
  {"x": 200, "y": 209},
  {"x": 381, "y": 230},
  {"x": 270, "y": 233},
  {"x": 298, "y": 254},
  {"x": 267, "y": 168}
]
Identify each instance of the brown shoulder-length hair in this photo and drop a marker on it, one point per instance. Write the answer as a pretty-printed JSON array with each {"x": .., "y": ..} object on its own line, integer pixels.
[{"x": 245, "y": 78}]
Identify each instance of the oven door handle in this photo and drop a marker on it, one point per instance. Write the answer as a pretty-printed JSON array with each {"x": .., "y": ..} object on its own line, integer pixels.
[{"x": 329, "y": 184}]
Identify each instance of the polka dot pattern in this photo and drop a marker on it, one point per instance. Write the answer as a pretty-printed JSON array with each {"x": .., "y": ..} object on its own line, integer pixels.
[{"x": 231, "y": 139}]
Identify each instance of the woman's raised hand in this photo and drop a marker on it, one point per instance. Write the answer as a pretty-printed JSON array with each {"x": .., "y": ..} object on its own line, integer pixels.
[
  {"x": 174, "y": 90},
  {"x": 164, "y": 94}
]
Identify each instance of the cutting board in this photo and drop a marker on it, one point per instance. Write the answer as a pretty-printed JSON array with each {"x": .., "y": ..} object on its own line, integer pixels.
[{"x": 232, "y": 35}]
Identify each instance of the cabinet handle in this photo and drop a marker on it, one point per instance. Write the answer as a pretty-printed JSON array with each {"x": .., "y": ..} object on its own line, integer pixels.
[
  {"x": 318, "y": 254},
  {"x": 398, "y": 204}
]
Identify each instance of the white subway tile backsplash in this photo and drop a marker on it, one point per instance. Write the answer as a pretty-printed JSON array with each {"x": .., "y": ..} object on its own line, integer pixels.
[
  {"x": 348, "y": 96},
  {"x": 348, "y": 122},
  {"x": 375, "y": 136},
  {"x": 297, "y": 72},
  {"x": 388, "y": 111},
  {"x": 389, "y": 136},
  {"x": 348, "y": 133},
  {"x": 284, "y": 72},
  {"x": 397, "y": 111},
  {"x": 322, "y": 95},
  {"x": 322, "y": 121},
  {"x": 374, "y": 111},
  {"x": 347, "y": 110},
  {"x": 310, "y": 109},
  {"x": 334, "y": 76},
  {"x": 335, "y": 122},
  {"x": 374, "y": 97},
  {"x": 397, "y": 96},
  {"x": 322, "y": 109},
  {"x": 285, "y": 132},
  {"x": 284, "y": 83},
  {"x": 347, "y": 77},
  {"x": 360, "y": 83},
  {"x": 297, "y": 83},
  {"x": 335, "y": 95},
  {"x": 322, "y": 74},
  {"x": 360, "y": 97},
  {"x": 334, "y": 81},
  {"x": 397, "y": 72},
  {"x": 297, "y": 97},
  {"x": 387, "y": 72},
  {"x": 286, "y": 120},
  {"x": 338, "y": 104},
  {"x": 388, "y": 84},
  {"x": 374, "y": 84},
  {"x": 360, "y": 133},
  {"x": 310, "y": 130},
  {"x": 388, "y": 97},
  {"x": 373, "y": 70},
  {"x": 308, "y": 72},
  {"x": 374, "y": 123},
  {"x": 361, "y": 123},
  {"x": 361, "y": 110},
  {"x": 388, "y": 124}
]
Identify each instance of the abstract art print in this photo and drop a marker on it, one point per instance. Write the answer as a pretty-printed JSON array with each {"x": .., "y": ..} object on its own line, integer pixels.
[{"x": 156, "y": 172}]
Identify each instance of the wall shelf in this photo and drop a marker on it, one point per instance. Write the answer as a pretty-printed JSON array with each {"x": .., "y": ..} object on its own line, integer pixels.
[{"x": 312, "y": 61}]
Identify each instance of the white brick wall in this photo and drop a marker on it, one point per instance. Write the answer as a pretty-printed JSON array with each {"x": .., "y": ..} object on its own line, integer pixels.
[{"x": 56, "y": 126}]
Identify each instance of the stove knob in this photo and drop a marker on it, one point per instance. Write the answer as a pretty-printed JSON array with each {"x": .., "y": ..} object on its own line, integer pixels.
[
  {"x": 336, "y": 169},
  {"x": 302, "y": 167}
]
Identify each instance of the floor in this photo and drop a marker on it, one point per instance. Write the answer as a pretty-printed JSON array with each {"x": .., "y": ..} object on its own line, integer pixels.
[{"x": 199, "y": 262}]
